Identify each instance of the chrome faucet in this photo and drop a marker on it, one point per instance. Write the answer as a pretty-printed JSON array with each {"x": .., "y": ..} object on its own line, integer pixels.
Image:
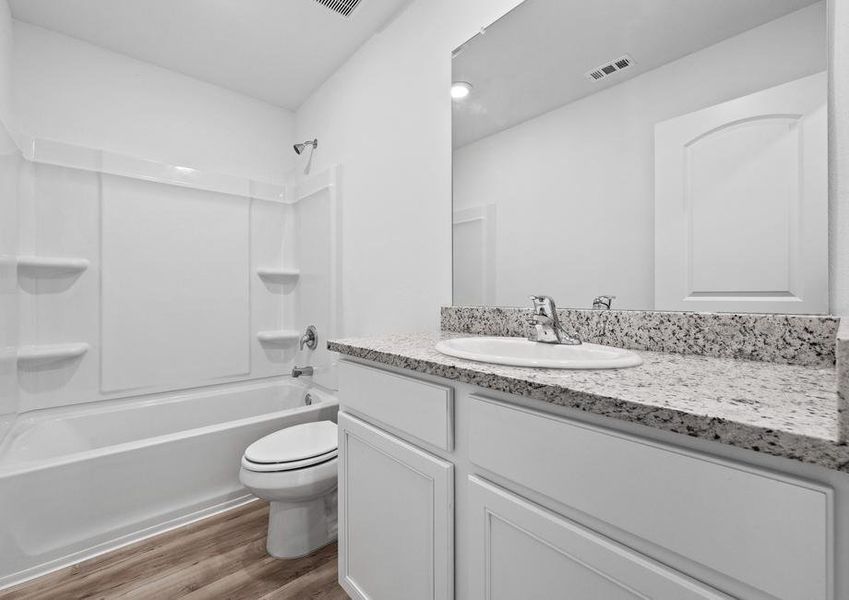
[
  {"x": 309, "y": 339},
  {"x": 298, "y": 371},
  {"x": 603, "y": 302},
  {"x": 545, "y": 323}
]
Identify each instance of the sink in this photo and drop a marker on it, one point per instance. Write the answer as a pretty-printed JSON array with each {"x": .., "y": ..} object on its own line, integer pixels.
[{"x": 519, "y": 352}]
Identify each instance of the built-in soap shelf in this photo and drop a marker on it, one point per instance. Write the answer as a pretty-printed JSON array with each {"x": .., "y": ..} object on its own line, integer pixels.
[
  {"x": 49, "y": 353},
  {"x": 281, "y": 336},
  {"x": 278, "y": 274},
  {"x": 51, "y": 266}
]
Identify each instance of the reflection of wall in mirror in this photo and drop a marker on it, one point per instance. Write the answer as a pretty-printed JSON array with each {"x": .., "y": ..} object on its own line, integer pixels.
[
  {"x": 473, "y": 238},
  {"x": 574, "y": 187}
]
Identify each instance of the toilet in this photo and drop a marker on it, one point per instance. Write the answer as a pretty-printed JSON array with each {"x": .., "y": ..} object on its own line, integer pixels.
[{"x": 294, "y": 469}]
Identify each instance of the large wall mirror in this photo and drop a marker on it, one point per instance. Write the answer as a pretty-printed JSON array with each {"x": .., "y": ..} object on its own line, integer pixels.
[{"x": 670, "y": 153}]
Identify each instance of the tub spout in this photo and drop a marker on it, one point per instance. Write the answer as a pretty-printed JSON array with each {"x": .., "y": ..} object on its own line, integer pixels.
[{"x": 298, "y": 371}]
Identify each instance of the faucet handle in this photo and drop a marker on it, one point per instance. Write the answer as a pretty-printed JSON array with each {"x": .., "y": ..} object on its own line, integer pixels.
[
  {"x": 309, "y": 338},
  {"x": 604, "y": 301},
  {"x": 543, "y": 305}
]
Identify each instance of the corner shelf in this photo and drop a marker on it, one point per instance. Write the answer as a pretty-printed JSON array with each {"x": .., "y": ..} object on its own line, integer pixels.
[
  {"x": 278, "y": 337},
  {"x": 50, "y": 353},
  {"x": 278, "y": 274},
  {"x": 46, "y": 266}
]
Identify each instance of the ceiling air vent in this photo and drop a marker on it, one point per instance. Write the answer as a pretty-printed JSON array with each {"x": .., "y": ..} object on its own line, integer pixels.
[
  {"x": 608, "y": 69},
  {"x": 343, "y": 7}
]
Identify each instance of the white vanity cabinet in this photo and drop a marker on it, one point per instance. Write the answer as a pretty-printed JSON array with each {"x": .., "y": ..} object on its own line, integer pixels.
[
  {"x": 396, "y": 513},
  {"x": 549, "y": 506}
]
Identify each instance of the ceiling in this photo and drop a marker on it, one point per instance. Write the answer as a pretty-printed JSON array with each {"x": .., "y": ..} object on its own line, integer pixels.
[
  {"x": 535, "y": 58},
  {"x": 279, "y": 51}
]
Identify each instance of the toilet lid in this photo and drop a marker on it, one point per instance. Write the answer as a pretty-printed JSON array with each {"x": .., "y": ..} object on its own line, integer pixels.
[{"x": 295, "y": 444}]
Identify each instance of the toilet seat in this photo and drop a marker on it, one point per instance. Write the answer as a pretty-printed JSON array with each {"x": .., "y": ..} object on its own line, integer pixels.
[
  {"x": 295, "y": 447},
  {"x": 287, "y": 466}
]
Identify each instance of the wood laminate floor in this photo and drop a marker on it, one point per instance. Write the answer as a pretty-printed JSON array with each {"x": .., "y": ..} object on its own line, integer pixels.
[{"x": 222, "y": 558}]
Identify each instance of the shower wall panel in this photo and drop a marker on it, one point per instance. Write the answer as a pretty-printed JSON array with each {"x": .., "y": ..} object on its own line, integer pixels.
[
  {"x": 317, "y": 217},
  {"x": 59, "y": 216},
  {"x": 273, "y": 298},
  {"x": 171, "y": 296},
  {"x": 175, "y": 285}
]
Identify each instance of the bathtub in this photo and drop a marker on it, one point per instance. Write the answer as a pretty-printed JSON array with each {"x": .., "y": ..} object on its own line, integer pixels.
[{"x": 82, "y": 481}]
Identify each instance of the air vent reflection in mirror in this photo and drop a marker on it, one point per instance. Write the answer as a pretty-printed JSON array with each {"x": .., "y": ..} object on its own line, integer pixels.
[
  {"x": 343, "y": 7},
  {"x": 610, "y": 68}
]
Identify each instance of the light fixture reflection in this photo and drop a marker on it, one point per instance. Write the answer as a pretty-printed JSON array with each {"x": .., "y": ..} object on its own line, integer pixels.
[{"x": 460, "y": 89}]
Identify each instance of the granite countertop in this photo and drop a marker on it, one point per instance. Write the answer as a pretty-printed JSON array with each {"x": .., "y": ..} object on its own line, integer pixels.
[{"x": 783, "y": 410}]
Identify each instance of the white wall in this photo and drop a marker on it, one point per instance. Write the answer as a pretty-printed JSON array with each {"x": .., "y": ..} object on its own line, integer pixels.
[
  {"x": 839, "y": 159},
  {"x": 385, "y": 117},
  {"x": 78, "y": 93},
  {"x": 574, "y": 188}
]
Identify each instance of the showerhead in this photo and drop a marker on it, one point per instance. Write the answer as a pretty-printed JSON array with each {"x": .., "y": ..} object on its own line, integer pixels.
[{"x": 304, "y": 145}]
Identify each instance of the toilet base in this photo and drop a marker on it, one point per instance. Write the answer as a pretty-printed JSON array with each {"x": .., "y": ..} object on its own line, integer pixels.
[{"x": 296, "y": 529}]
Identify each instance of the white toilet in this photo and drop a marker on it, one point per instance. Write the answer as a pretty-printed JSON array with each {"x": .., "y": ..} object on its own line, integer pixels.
[{"x": 295, "y": 470}]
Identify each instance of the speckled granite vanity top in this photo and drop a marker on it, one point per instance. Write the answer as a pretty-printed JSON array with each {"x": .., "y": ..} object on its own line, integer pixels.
[{"x": 779, "y": 409}]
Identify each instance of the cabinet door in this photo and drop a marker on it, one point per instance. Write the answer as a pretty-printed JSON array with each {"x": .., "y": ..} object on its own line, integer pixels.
[
  {"x": 396, "y": 517},
  {"x": 520, "y": 550}
]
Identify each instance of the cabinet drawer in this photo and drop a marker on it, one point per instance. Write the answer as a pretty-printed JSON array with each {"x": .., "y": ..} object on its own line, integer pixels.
[
  {"x": 766, "y": 531},
  {"x": 420, "y": 409},
  {"x": 520, "y": 550}
]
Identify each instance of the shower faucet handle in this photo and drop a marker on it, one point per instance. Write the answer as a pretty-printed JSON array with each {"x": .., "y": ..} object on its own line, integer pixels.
[{"x": 309, "y": 339}]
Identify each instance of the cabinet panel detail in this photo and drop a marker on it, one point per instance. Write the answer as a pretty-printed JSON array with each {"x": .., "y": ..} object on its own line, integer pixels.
[
  {"x": 521, "y": 550},
  {"x": 764, "y": 530},
  {"x": 396, "y": 517}
]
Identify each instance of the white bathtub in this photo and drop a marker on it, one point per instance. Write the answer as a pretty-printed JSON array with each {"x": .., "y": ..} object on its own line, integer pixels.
[{"x": 80, "y": 482}]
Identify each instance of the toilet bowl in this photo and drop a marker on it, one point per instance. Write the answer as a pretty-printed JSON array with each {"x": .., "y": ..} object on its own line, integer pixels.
[{"x": 294, "y": 469}]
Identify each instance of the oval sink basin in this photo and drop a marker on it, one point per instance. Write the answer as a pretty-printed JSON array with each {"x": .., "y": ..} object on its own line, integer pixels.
[{"x": 519, "y": 352}]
